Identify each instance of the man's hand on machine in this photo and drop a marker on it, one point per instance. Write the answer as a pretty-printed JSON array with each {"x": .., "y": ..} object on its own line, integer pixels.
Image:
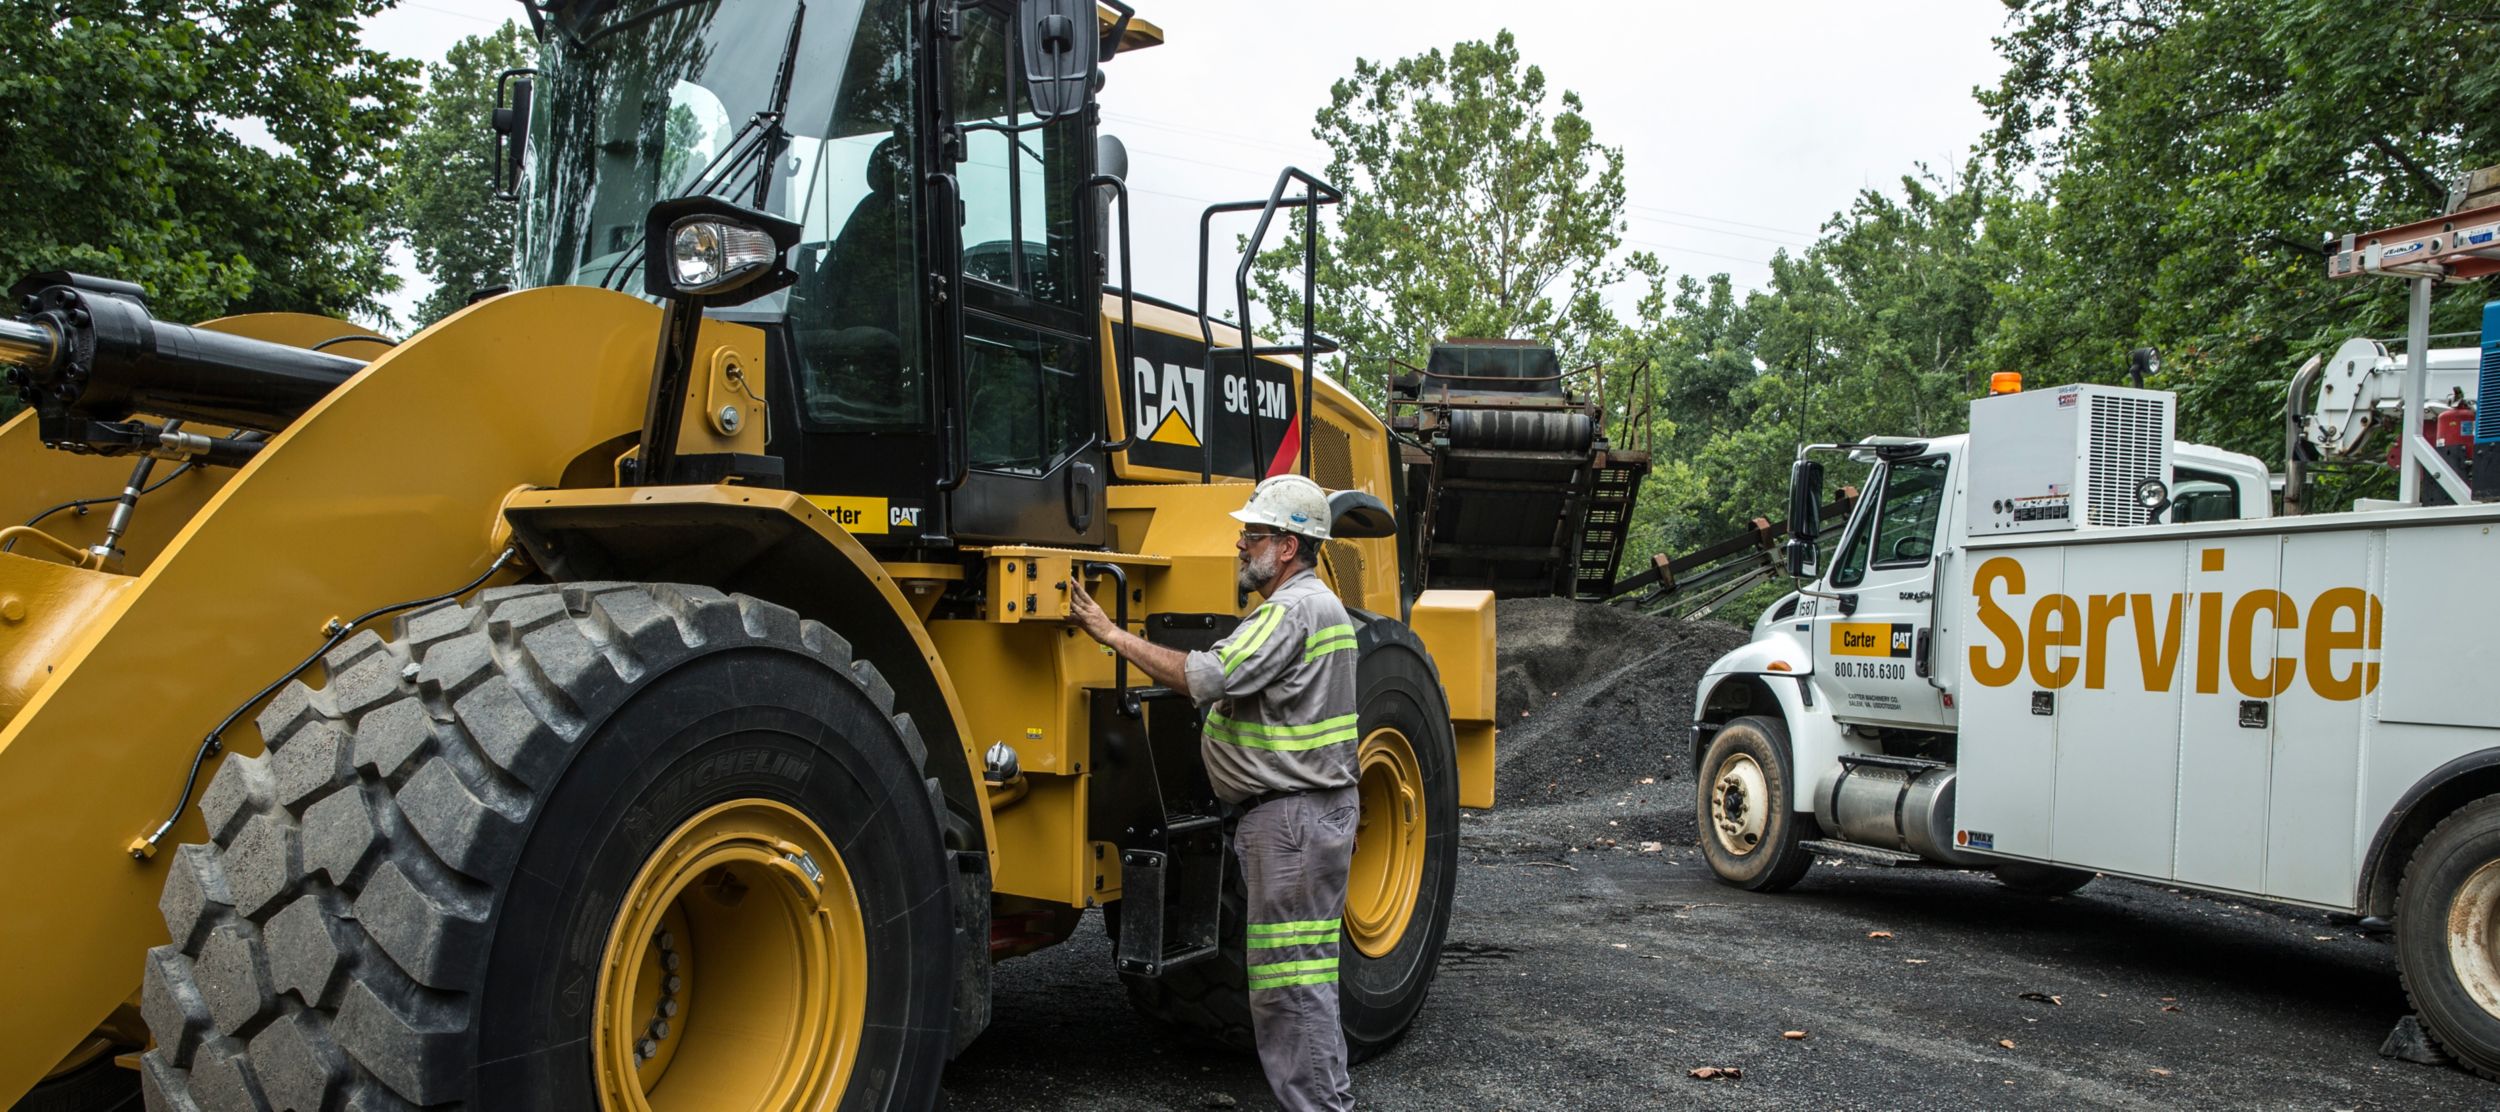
[{"x": 1085, "y": 614}]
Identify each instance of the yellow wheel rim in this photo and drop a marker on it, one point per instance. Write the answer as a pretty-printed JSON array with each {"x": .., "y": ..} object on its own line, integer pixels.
[
  {"x": 1388, "y": 870},
  {"x": 736, "y": 975}
]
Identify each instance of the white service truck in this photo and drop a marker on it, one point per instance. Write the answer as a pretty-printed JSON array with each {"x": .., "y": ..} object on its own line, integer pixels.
[{"x": 2065, "y": 644}]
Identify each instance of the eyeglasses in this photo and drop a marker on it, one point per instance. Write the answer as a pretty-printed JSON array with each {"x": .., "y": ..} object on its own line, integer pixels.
[{"x": 1254, "y": 536}]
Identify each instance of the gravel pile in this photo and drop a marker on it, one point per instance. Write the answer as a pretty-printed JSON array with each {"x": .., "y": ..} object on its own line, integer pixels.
[{"x": 1594, "y": 698}]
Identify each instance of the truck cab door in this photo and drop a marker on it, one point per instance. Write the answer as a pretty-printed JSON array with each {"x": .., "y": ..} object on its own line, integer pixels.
[{"x": 1874, "y": 643}]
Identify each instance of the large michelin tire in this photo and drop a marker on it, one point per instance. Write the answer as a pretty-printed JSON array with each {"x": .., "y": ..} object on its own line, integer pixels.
[
  {"x": 546, "y": 851},
  {"x": 1404, "y": 877},
  {"x": 2448, "y": 935}
]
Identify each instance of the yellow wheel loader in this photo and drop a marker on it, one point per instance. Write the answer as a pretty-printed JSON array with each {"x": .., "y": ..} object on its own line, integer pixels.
[{"x": 648, "y": 688}]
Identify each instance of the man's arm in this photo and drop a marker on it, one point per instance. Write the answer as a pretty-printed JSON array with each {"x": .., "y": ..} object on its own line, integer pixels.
[{"x": 1167, "y": 666}]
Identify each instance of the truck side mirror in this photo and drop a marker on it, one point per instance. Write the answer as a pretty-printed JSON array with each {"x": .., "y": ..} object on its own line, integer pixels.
[
  {"x": 511, "y": 126},
  {"x": 1061, "y": 41},
  {"x": 1805, "y": 509}
]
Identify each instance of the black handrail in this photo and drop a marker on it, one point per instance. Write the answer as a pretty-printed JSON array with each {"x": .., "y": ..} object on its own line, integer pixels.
[
  {"x": 949, "y": 287},
  {"x": 1128, "y": 309},
  {"x": 1315, "y": 193},
  {"x": 1119, "y": 614}
]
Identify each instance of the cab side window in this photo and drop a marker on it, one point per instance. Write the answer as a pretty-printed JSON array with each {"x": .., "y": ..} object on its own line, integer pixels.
[
  {"x": 1901, "y": 532},
  {"x": 2203, "y": 496}
]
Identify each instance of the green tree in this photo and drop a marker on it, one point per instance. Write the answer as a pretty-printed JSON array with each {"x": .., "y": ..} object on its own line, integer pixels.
[
  {"x": 1470, "y": 210},
  {"x": 443, "y": 192},
  {"x": 128, "y": 154},
  {"x": 1874, "y": 330},
  {"x": 2196, "y": 153}
]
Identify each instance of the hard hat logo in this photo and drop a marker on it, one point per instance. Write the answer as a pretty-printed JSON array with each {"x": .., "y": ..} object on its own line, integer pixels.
[{"x": 1289, "y": 502}]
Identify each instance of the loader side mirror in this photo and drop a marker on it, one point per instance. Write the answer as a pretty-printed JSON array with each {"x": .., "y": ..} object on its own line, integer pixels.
[
  {"x": 1805, "y": 510},
  {"x": 510, "y": 123},
  {"x": 1061, "y": 44}
]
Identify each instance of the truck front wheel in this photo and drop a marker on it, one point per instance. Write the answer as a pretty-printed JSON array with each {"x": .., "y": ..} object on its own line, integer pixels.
[
  {"x": 2448, "y": 935},
  {"x": 1749, "y": 832}
]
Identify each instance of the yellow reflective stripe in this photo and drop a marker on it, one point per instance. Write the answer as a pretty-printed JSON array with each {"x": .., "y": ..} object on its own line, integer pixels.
[
  {"x": 1282, "y": 739},
  {"x": 1296, "y": 926},
  {"x": 1335, "y": 638},
  {"x": 1276, "y": 968},
  {"x": 1327, "y": 978},
  {"x": 1278, "y": 941},
  {"x": 1262, "y": 623}
]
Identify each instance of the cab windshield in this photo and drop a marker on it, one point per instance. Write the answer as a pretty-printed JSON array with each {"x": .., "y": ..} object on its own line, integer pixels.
[
  {"x": 646, "y": 100},
  {"x": 641, "y": 102}
]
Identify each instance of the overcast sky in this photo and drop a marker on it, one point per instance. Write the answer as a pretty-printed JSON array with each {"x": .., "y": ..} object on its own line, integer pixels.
[{"x": 1743, "y": 126}]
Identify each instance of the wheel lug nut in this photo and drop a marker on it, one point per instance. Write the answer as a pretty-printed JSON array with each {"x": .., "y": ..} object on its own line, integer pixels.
[
  {"x": 669, "y": 960},
  {"x": 646, "y": 1049},
  {"x": 668, "y": 1009},
  {"x": 667, "y": 941},
  {"x": 671, "y": 985},
  {"x": 659, "y": 1028}
]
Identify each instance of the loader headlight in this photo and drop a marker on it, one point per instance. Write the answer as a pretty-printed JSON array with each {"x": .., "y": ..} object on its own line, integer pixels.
[
  {"x": 713, "y": 252},
  {"x": 707, "y": 255}
]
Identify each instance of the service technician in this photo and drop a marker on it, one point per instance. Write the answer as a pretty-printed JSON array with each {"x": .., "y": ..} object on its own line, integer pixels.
[{"x": 1280, "y": 743}]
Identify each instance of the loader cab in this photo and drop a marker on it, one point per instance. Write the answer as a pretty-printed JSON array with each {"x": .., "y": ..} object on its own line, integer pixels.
[{"x": 932, "y": 373}]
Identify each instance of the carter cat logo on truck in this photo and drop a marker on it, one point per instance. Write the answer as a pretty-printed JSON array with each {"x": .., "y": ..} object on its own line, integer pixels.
[
  {"x": 2318, "y": 641},
  {"x": 1886, "y": 639}
]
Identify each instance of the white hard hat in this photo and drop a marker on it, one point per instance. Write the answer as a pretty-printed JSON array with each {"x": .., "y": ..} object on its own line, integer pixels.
[{"x": 1288, "y": 502}]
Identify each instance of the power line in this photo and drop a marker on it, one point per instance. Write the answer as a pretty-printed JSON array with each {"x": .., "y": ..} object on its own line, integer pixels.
[
  {"x": 1718, "y": 220},
  {"x": 1716, "y": 231},
  {"x": 454, "y": 14}
]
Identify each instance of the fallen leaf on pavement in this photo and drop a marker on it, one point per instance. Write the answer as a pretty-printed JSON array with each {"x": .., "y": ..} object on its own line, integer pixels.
[
  {"x": 1711, "y": 1073},
  {"x": 1914, "y": 961},
  {"x": 2170, "y": 1007},
  {"x": 2157, "y": 1071},
  {"x": 1651, "y": 847},
  {"x": 1623, "y": 945},
  {"x": 2006, "y": 1043},
  {"x": 1879, "y": 934},
  {"x": 1648, "y": 780},
  {"x": 1792, "y": 1034},
  {"x": 2323, "y": 937},
  {"x": 2045, "y": 998}
]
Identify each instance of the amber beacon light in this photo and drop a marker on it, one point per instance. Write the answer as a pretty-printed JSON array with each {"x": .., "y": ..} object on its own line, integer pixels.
[{"x": 2005, "y": 382}]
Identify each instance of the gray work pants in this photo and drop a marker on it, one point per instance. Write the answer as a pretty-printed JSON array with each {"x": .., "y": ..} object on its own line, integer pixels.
[{"x": 1295, "y": 852}]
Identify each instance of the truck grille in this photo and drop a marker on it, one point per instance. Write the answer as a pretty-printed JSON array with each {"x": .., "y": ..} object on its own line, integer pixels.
[{"x": 2128, "y": 435}]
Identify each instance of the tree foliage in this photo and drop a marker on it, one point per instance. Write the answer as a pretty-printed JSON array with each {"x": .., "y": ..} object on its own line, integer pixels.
[
  {"x": 443, "y": 194},
  {"x": 2197, "y": 153},
  {"x": 136, "y": 150},
  {"x": 1471, "y": 210}
]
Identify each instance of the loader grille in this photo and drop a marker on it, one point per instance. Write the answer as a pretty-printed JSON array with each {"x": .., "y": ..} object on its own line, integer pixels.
[{"x": 2128, "y": 437}]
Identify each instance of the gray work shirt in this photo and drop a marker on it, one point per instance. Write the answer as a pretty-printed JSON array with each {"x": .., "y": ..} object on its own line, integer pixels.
[{"x": 1281, "y": 690}]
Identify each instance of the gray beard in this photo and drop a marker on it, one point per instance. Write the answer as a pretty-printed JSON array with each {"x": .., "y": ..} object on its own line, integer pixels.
[{"x": 1257, "y": 571}]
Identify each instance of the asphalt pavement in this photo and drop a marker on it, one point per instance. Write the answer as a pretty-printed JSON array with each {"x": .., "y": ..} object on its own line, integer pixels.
[{"x": 1593, "y": 963}]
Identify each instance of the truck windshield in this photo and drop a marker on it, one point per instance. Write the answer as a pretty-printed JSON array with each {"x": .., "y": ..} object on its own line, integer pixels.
[{"x": 645, "y": 100}]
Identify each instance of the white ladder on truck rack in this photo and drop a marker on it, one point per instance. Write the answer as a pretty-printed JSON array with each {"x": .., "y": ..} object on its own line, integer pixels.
[{"x": 2458, "y": 247}]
